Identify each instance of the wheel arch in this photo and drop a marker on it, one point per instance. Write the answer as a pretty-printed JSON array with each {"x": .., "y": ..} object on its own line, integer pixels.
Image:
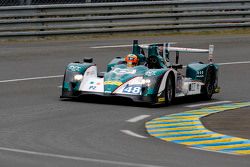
[
  {"x": 174, "y": 78},
  {"x": 171, "y": 73}
]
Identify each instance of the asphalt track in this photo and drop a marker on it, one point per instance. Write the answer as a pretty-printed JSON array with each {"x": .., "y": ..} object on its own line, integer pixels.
[{"x": 37, "y": 129}]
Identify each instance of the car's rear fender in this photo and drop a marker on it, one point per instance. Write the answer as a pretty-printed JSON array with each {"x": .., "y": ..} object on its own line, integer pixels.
[{"x": 198, "y": 71}]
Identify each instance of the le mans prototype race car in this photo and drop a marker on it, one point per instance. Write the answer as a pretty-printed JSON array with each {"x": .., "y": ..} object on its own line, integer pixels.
[{"x": 153, "y": 80}]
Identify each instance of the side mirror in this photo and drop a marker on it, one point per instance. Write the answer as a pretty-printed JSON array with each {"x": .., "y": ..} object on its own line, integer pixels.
[
  {"x": 135, "y": 42},
  {"x": 88, "y": 60}
]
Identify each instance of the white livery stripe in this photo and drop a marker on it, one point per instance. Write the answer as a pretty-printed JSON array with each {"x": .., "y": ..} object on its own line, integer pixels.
[
  {"x": 138, "y": 118},
  {"x": 207, "y": 104},
  {"x": 128, "y": 132},
  {"x": 101, "y": 161},
  {"x": 187, "y": 50}
]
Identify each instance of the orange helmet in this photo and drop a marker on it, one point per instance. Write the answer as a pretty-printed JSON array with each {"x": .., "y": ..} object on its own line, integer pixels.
[{"x": 132, "y": 60}]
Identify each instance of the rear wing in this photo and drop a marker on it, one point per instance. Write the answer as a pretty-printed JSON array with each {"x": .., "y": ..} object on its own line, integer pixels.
[
  {"x": 210, "y": 50},
  {"x": 167, "y": 47}
]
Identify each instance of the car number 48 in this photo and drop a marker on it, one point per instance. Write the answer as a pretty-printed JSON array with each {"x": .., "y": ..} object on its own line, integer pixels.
[{"x": 132, "y": 89}]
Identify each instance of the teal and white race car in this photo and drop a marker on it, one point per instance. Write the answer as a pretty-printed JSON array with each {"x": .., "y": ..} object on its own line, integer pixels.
[{"x": 153, "y": 80}]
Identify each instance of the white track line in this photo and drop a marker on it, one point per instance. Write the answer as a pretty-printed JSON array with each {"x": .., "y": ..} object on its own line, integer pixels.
[
  {"x": 58, "y": 76},
  {"x": 207, "y": 104},
  {"x": 114, "y": 46},
  {"x": 27, "y": 79},
  {"x": 231, "y": 63},
  {"x": 196, "y": 148},
  {"x": 128, "y": 132},
  {"x": 138, "y": 118},
  {"x": 117, "y": 163}
]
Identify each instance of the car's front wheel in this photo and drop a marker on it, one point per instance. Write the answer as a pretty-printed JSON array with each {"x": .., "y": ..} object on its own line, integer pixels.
[{"x": 169, "y": 90}]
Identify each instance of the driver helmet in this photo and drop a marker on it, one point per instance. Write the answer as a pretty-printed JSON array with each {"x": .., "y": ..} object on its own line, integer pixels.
[{"x": 132, "y": 60}]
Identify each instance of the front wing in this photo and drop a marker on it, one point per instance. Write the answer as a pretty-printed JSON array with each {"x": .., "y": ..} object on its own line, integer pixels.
[{"x": 153, "y": 99}]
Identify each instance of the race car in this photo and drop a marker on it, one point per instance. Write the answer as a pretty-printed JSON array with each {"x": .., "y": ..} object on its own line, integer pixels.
[{"x": 145, "y": 75}]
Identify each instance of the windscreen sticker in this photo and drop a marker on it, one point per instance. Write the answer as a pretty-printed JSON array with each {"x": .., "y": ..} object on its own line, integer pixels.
[{"x": 124, "y": 71}]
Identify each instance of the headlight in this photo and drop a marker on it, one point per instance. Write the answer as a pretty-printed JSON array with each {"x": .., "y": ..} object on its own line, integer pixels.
[
  {"x": 78, "y": 77},
  {"x": 146, "y": 82}
]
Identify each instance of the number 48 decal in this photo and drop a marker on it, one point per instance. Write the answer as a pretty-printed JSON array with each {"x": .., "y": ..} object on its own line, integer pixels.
[{"x": 132, "y": 89}]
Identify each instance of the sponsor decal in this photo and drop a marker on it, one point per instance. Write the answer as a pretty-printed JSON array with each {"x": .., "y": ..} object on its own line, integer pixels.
[
  {"x": 217, "y": 90},
  {"x": 107, "y": 91},
  {"x": 200, "y": 74},
  {"x": 118, "y": 83},
  {"x": 195, "y": 86},
  {"x": 94, "y": 83},
  {"x": 161, "y": 99},
  {"x": 74, "y": 68},
  {"x": 150, "y": 73},
  {"x": 92, "y": 87},
  {"x": 192, "y": 86}
]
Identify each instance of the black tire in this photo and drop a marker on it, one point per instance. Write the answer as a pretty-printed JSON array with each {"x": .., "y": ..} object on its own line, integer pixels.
[
  {"x": 209, "y": 84},
  {"x": 169, "y": 90}
]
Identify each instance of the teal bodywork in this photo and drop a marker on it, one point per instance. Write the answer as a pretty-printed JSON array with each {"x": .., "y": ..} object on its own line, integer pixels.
[
  {"x": 78, "y": 67},
  {"x": 115, "y": 61},
  {"x": 121, "y": 74},
  {"x": 198, "y": 71},
  {"x": 155, "y": 75},
  {"x": 69, "y": 84}
]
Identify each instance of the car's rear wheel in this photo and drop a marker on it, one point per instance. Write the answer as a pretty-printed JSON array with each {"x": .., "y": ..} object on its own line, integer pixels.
[
  {"x": 209, "y": 84},
  {"x": 169, "y": 90}
]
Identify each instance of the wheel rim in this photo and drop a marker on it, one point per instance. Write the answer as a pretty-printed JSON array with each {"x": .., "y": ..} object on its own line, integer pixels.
[
  {"x": 209, "y": 86},
  {"x": 169, "y": 90},
  {"x": 209, "y": 89}
]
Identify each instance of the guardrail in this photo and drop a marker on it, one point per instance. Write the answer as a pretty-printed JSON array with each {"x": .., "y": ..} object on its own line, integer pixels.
[
  {"x": 41, "y": 20},
  {"x": 50, "y": 2}
]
